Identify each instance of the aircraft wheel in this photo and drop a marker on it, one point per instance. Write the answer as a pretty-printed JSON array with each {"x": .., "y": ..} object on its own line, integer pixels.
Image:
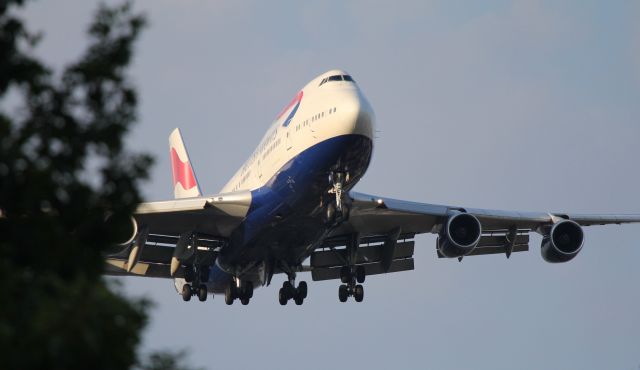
[
  {"x": 186, "y": 292},
  {"x": 229, "y": 295},
  {"x": 298, "y": 299},
  {"x": 289, "y": 290},
  {"x": 360, "y": 274},
  {"x": 345, "y": 274},
  {"x": 343, "y": 293},
  {"x": 282, "y": 296},
  {"x": 244, "y": 301},
  {"x": 248, "y": 289},
  {"x": 302, "y": 289},
  {"x": 202, "y": 292},
  {"x": 358, "y": 294}
]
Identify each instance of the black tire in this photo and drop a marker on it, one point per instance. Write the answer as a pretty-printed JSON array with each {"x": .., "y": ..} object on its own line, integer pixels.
[
  {"x": 360, "y": 274},
  {"x": 302, "y": 289},
  {"x": 186, "y": 292},
  {"x": 229, "y": 297},
  {"x": 289, "y": 290},
  {"x": 244, "y": 301},
  {"x": 345, "y": 274},
  {"x": 358, "y": 294},
  {"x": 343, "y": 293},
  {"x": 298, "y": 299},
  {"x": 282, "y": 296},
  {"x": 202, "y": 292},
  {"x": 248, "y": 289}
]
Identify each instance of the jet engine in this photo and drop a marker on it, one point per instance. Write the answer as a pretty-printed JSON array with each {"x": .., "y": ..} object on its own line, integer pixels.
[
  {"x": 121, "y": 230},
  {"x": 460, "y": 235},
  {"x": 563, "y": 242}
]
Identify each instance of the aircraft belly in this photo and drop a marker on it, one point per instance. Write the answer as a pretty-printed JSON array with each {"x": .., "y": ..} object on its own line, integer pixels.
[{"x": 285, "y": 216}]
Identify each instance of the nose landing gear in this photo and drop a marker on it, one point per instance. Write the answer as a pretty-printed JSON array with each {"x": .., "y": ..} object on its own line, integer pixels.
[{"x": 337, "y": 209}]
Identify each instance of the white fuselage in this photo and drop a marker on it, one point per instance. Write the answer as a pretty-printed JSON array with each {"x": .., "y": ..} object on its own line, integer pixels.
[{"x": 320, "y": 112}]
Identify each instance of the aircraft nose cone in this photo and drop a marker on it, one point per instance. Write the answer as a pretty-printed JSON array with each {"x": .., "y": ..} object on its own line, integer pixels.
[{"x": 365, "y": 117}]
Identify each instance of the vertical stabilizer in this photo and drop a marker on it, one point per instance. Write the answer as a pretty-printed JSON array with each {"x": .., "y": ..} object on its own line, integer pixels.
[{"x": 185, "y": 184}]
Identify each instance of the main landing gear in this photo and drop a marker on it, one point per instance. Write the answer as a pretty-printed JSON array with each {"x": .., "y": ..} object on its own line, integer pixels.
[
  {"x": 350, "y": 275},
  {"x": 237, "y": 289},
  {"x": 195, "y": 277},
  {"x": 289, "y": 291}
]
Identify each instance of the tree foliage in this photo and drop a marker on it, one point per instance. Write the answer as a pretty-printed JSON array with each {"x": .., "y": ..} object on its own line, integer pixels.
[{"x": 63, "y": 168}]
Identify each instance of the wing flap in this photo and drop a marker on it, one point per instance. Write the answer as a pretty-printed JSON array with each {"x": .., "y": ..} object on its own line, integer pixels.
[
  {"x": 332, "y": 273},
  {"x": 117, "y": 267},
  {"x": 338, "y": 257}
]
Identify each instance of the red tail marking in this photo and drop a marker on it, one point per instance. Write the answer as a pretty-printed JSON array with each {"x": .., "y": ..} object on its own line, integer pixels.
[{"x": 182, "y": 172}]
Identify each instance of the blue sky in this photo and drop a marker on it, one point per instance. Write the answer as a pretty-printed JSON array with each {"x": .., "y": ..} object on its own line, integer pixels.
[{"x": 531, "y": 105}]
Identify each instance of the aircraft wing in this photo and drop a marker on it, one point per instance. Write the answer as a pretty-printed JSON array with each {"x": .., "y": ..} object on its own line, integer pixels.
[
  {"x": 215, "y": 215},
  {"x": 386, "y": 227},
  {"x": 373, "y": 214},
  {"x": 161, "y": 224}
]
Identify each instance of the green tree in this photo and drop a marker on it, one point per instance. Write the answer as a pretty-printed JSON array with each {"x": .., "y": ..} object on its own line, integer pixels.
[{"x": 63, "y": 168}]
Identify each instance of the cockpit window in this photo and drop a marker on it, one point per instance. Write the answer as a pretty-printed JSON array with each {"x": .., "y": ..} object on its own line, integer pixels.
[{"x": 337, "y": 78}]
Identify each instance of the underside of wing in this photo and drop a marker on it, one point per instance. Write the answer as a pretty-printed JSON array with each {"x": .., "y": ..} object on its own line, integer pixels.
[
  {"x": 215, "y": 215},
  {"x": 178, "y": 230},
  {"x": 470, "y": 231}
]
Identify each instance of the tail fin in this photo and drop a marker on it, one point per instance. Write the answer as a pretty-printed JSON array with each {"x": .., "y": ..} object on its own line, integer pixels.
[{"x": 185, "y": 184}]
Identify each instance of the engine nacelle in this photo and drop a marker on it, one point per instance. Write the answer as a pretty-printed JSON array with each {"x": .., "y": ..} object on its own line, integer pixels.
[
  {"x": 460, "y": 235},
  {"x": 563, "y": 242},
  {"x": 121, "y": 230}
]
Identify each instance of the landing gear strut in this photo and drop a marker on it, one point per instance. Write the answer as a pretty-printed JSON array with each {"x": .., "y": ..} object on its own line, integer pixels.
[
  {"x": 288, "y": 291},
  {"x": 352, "y": 275}
]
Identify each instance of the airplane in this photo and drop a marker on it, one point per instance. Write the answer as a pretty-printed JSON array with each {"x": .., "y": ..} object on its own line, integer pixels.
[{"x": 292, "y": 201}]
